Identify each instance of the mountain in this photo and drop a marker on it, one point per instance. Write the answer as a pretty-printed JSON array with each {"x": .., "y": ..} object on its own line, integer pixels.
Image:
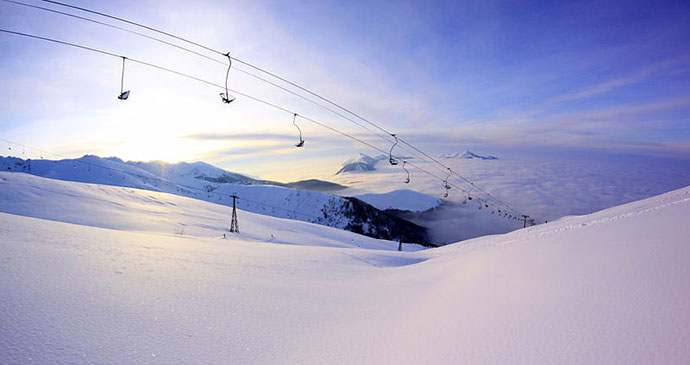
[
  {"x": 131, "y": 209},
  {"x": 467, "y": 155},
  {"x": 204, "y": 171},
  {"x": 103, "y": 274},
  {"x": 404, "y": 199},
  {"x": 362, "y": 163},
  {"x": 315, "y": 185},
  {"x": 206, "y": 182}
]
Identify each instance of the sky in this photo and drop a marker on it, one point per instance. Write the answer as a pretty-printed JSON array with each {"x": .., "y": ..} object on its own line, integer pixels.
[{"x": 446, "y": 76}]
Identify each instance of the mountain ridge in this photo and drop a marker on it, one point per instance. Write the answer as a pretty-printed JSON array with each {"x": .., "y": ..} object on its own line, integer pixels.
[
  {"x": 467, "y": 155},
  {"x": 197, "y": 180}
]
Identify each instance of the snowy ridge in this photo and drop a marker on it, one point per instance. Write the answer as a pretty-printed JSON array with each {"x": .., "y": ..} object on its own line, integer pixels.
[
  {"x": 610, "y": 287},
  {"x": 128, "y": 209},
  {"x": 203, "y": 181}
]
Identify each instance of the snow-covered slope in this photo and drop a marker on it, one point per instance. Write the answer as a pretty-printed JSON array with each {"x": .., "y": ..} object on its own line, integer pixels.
[
  {"x": 611, "y": 287},
  {"x": 129, "y": 209},
  {"x": 203, "y": 181}
]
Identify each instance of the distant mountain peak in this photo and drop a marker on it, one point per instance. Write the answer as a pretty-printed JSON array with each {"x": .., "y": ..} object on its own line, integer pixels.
[
  {"x": 466, "y": 154},
  {"x": 361, "y": 163}
]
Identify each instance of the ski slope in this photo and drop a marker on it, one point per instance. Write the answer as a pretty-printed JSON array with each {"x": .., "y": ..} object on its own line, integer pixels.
[{"x": 98, "y": 274}]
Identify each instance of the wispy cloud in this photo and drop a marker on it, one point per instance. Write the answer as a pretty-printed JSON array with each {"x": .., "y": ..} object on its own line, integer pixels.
[
  {"x": 240, "y": 137},
  {"x": 607, "y": 86}
]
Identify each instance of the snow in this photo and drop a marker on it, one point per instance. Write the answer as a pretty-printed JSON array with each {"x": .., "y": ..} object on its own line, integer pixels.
[
  {"x": 183, "y": 179},
  {"x": 609, "y": 287},
  {"x": 401, "y": 199},
  {"x": 128, "y": 209},
  {"x": 546, "y": 184}
]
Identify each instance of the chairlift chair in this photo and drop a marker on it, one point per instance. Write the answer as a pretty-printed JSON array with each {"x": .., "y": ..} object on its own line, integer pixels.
[
  {"x": 123, "y": 94},
  {"x": 407, "y": 178},
  {"x": 301, "y": 141},
  {"x": 225, "y": 97},
  {"x": 392, "y": 160}
]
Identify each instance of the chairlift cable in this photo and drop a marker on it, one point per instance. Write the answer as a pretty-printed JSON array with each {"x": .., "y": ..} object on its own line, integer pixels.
[
  {"x": 237, "y": 92},
  {"x": 190, "y": 51},
  {"x": 236, "y": 59}
]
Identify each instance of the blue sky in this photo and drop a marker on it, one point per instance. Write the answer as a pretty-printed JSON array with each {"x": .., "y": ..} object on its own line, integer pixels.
[{"x": 445, "y": 75}]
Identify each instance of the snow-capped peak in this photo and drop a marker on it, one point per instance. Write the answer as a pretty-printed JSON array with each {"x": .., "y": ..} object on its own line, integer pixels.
[
  {"x": 466, "y": 154},
  {"x": 361, "y": 163}
]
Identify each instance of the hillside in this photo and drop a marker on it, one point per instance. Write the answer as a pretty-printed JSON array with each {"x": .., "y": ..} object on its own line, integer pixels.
[
  {"x": 98, "y": 274},
  {"x": 203, "y": 181}
]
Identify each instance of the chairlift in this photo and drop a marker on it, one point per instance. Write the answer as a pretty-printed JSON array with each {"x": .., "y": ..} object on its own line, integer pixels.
[
  {"x": 407, "y": 178},
  {"x": 392, "y": 160},
  {"x": 226, "y": 97},
  {"x": 123, "y": 94},
  {"x": 445, "y": 183},
  {"x": 301, "y": 141}
]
